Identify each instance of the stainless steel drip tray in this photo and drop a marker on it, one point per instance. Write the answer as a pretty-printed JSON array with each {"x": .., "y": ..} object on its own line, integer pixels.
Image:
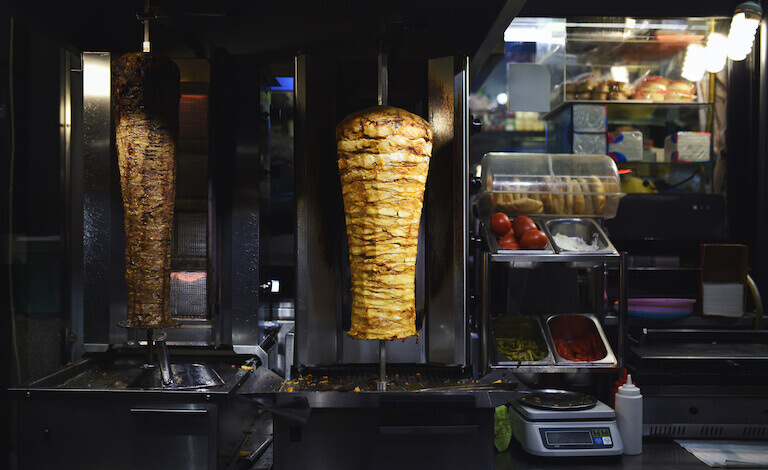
[
  {"x": 125, "y": 373},
  {"x": 183, "y": 377}
]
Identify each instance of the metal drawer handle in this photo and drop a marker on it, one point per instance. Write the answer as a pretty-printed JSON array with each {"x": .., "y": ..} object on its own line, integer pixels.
[{"x": 168, "y": 411}]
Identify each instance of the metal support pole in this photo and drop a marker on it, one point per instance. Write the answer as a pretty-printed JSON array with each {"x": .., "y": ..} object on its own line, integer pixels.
[
  {"x": 622, "y": 339},
  {"x": 150, "y": 346},
  {"x": 485, "y": 299},
  {"x": 382, "y": 365},
  {"x": 145, "y": 46},
  {"x": 383, "y": 80}
]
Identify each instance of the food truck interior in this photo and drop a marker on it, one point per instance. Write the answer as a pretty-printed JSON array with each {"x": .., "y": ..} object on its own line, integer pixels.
[{"x": 645, "y": 179}]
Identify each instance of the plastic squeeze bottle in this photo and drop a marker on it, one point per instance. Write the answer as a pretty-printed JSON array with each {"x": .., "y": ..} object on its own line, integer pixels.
[{"x": 629, "y": 416}]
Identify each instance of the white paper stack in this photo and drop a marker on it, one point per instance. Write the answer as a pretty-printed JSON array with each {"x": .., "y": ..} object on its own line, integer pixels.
[
  {"x": 728, "y": 454},
  {"x": 725, "y": 299}
]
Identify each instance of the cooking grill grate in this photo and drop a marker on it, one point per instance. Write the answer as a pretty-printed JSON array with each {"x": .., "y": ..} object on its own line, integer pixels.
[
  {"x": 193, "y": 109},
  {"x": 364, "y": 379},
  {"x": 189, "y": 255},
  {"x": 190, "y": 238}
]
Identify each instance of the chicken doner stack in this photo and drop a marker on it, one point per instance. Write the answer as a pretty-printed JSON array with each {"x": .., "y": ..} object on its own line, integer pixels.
[
  {"x": 384, "y": 155},
  {"x": 146, "y": 104}
]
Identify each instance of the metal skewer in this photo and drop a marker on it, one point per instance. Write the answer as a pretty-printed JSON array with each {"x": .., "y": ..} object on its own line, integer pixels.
[
  {"x": 382, "y": 383},
  {"x": 145, "y": 46},
  {"x": 382, "y": 98},
  {"x": 383, "y": 81}
]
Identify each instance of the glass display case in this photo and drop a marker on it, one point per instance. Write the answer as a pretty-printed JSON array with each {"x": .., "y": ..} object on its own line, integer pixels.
[
  {"x": 635, "y": 70},
  {"x": 632, "y": 76}
]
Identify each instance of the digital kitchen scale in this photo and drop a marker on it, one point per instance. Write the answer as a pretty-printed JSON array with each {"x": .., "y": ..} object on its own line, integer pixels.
[{"x": 557, "y": 423}]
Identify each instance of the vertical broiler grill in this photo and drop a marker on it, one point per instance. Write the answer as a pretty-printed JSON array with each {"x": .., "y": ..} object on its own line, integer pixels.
[
  {"x": 339, "y": 376},
  {"x": 221, "y": 236}
]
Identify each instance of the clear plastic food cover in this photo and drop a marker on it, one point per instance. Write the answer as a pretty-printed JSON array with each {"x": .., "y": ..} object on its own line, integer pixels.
[{"x": 548, "y": 184}]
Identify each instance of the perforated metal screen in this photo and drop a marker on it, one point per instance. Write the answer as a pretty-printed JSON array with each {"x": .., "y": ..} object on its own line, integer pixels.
[{"x": 189, "y": 258}]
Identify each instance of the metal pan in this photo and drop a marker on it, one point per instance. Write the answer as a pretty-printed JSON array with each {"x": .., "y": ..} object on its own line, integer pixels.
[
  {"x": 518, "y": 258},
  {"x": 593, "y": 324},
  {"x": 550, "y": 399},
  {"x": 586, "y": 229},
  {"x": 518, "y": 327},
  {"x": 590, "y": 232}
]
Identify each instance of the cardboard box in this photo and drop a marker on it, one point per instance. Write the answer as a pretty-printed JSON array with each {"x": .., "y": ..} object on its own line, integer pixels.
[
  {"x": 688, "y": 147},
  {"x": 723, "y": 279},
  {"x": 590, "y": 144},
  {"x": 626, "y": 146},
  {"x": 590, "y": 117}
]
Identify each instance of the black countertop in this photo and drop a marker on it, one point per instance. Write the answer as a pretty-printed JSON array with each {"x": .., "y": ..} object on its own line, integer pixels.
[{"x": 658, "y": 454}]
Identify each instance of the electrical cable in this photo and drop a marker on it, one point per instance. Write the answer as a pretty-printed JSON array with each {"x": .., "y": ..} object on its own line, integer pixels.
[
  {"x": 14, "y": 340},
  {"x": 684, "y": 181}
]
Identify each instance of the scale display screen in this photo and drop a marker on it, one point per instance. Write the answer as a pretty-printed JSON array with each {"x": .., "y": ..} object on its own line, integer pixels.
[
  {"x": 576, "y": 438},
  {"x": 568, "y": 437}
]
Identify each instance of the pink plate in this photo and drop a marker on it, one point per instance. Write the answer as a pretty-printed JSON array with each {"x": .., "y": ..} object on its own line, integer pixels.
[
  {"x": 642, "y": 308},
  {"x": 658, "y": 302}
]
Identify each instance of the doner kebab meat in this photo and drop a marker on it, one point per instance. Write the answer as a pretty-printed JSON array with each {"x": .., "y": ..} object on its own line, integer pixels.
[
  {"x": 384, "y": 155},
  {"x": 146, "y": 105}
]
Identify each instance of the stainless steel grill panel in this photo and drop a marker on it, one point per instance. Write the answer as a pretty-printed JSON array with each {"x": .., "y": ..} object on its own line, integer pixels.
[
  {"x": 190, "y": 239},
  {"x": 192, "y": 175},
  {"x": 188, "y": 294}
]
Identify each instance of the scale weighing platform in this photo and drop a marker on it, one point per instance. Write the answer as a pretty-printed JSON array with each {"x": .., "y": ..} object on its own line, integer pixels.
[{"x": 555, "y": 423}]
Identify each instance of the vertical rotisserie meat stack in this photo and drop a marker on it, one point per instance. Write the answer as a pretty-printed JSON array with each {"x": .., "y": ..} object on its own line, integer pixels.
[
  {"x": 146, "y": 106},
  {"x": 384, "y": 155}
]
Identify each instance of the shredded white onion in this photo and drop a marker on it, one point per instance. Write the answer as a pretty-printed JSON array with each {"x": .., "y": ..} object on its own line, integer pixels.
[{"x": 576, "y": 243}]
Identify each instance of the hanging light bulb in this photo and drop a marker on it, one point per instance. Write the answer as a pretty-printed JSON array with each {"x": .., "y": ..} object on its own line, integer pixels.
[
  {"x": 715, "y": 52},
  {"x": 693, "y": 65},
  {"x": 746, "y": 20}
]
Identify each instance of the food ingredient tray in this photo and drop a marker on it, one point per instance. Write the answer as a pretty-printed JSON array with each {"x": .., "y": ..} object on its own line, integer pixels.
[
  {"x": 593, "y": 238},
  {"x": 581, "y": 239},
  {"x": 493, "y": 242},
  {"x": 530, "y": 327},
  {"x": 564, "y": 185},
  {"x": 552, "y": 252},
  {"x": 524, "y": 340},
  {"x": 576, "y": 336}
]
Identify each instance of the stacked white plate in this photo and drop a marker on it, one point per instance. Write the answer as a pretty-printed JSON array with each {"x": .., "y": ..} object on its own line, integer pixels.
[{"x": 725, "y": 299}]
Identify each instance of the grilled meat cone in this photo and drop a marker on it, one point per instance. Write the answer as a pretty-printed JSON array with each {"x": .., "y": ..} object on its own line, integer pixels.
[
  {"x": 146, "y": 104},
  {"x": 383, "y": 162}
]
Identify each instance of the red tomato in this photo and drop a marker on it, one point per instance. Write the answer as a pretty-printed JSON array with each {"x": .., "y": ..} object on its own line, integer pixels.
[
  {"x": 522, "y": 224},
  {"x": 509, "y": 245},
  {"x": 508, "y": 238},
  {"x": 500, "y": 223},
  {"x": 533, "y": 240}
]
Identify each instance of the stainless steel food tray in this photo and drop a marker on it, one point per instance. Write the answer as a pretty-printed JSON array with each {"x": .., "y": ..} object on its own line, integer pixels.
[
  {"x": 530, "y": 327},
  {"x": 552, "y": 253},
  {"x": 517, "y": 258},
  {"x": 609, "y": 361},
  {"x": 587, "y": 230},
  {"x": 553, "y": 362}
]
